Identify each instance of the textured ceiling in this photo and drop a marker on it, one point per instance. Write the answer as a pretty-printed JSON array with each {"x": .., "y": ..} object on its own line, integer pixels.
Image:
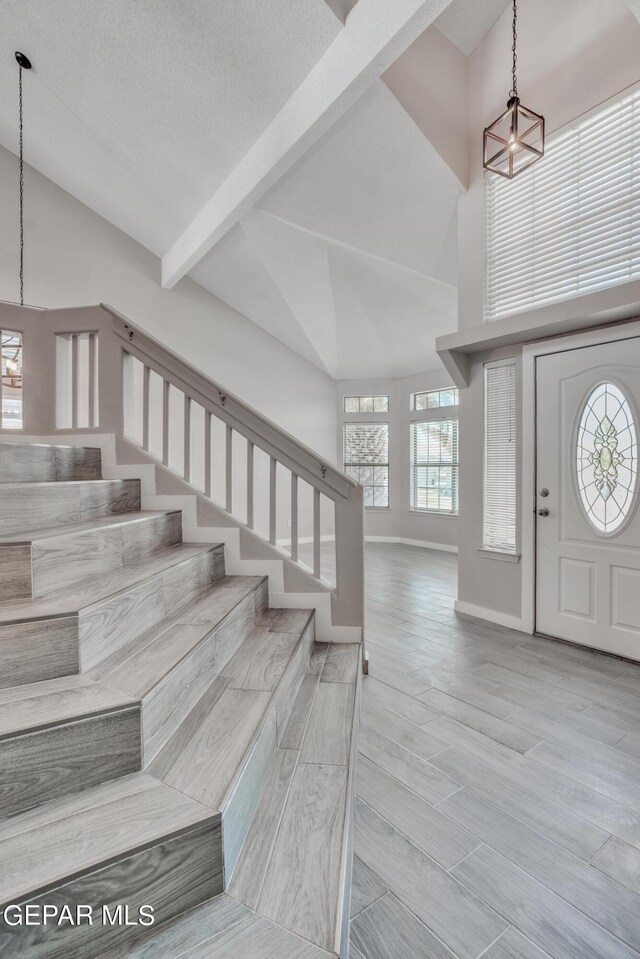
[
  {"x": 467, "y": 22},
  {"x": 140, "y": 108},
  {"x": 350, "y": 259}
]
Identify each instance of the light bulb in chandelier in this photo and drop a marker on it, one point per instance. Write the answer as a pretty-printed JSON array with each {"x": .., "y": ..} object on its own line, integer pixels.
[{"x": 516, "y": 139}]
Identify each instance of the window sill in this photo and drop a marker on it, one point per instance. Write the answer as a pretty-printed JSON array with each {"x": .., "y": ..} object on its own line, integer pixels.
[
  {"x": 376, "y": 509},
  {"x": 433, "y": 512},
  {"x": 499, "y": 554}
]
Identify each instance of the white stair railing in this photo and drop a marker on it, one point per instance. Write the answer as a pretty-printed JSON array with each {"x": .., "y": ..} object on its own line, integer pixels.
[{"x": 91, "y": 369}]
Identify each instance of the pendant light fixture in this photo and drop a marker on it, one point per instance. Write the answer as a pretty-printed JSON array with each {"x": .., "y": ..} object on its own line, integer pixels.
[
  {"x": 516, "y": 139},
  {"x": 24, "y": 63}
]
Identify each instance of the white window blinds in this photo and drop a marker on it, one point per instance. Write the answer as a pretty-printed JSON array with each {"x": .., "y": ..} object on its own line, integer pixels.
[
  {"x": 434, "y": 465},
  {"x": 500, "y": 449},
  {"x": 571, "y": 224},
  {"x": 366, "y": 460}
]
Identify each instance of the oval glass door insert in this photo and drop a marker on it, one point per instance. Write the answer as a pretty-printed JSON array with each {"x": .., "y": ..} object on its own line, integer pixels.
[{"x": 607, "y": 457}]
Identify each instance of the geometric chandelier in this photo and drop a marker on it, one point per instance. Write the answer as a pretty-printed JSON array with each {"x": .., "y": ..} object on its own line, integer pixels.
[{"x": 515, "y": 140}]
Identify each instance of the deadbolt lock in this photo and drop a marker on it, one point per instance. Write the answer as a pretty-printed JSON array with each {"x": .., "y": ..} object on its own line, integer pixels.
[{"x": 544, "y": 491}]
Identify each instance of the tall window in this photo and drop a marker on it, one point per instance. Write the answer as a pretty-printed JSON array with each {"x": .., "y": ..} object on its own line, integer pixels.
[
  {"x": 571, "y": 224},
  {"x": 11, "y": 383},
  {"x": 434, "y": 454},
  {"x": 366, "y": 460},
  {"x": 500, "y": 451}
]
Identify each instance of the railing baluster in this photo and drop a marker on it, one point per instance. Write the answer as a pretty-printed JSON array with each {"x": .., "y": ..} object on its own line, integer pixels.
[
  {"x": 249, "y": 484},
  {"x": 316, "y": 533},
  {"x": 146, "y": 389},
  {"x": 91, "y": 381},
  {"x": 187, "y": 438},
  {"x": 294, "y": 517},
  {"x": 207, "y": 453},
  {"x": 272, "y": 501},
  {"x": 165, "y": 422},
  {"x": 229, "y": 465},
  {"x": 74, "y": 381}
]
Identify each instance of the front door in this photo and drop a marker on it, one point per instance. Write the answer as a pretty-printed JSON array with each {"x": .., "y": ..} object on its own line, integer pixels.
[{"x": 588, "y": 523}]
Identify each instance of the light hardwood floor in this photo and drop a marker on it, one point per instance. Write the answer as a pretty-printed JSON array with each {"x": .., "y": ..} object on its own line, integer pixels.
[{"x": 498, "y": 805}]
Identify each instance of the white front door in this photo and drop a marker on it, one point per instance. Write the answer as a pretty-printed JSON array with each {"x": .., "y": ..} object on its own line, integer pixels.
[{"x": 588, "y": 523}]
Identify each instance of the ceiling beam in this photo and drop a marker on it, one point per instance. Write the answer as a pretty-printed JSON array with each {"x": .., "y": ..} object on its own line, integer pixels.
[
  {"x": 634, "y": 6},
  {"x": 375, "y": 34}
]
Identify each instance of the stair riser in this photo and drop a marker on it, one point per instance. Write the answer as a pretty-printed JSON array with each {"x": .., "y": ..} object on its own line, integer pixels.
[
  {"x": 244, "y": 795},
  {"x": 46, "y": 464},
  {"x": 107, "y": 626},
  {"x": 172, "y": 876},
  {"x": 36, "y": 650},
  {"x": 59, "y": 561},
  {"x": 168, "y": 704},
  {"x": 24, "y": 508},
  {"x": 54, "y": 762}
]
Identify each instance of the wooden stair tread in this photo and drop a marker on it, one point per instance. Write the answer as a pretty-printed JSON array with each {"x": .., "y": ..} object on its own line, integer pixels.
[
  {"x": 69, "y": 529},
  {"x": 206, "y": 754},
  {"x": 74, "y": 835},
  {"x": 86, "y": 592},
  {"x": 291, "y": 865},
  {"x": 24, "y": 709},
  {"x": 135, "y": 669}
]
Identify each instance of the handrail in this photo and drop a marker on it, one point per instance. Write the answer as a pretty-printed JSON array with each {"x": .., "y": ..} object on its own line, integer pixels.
[
  {"x": 227, "y": 405},
  {"x": 74, "y": 363}
]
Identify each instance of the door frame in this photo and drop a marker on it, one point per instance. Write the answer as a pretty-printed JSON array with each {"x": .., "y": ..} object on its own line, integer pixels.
[{"x": 625, "y": 330}]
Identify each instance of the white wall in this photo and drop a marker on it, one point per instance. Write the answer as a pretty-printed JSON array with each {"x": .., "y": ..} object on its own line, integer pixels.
[
  {"x": 399, "y": 522},
  {"x": 74, "y": 257},
  {"x": 572, "y": 56}
]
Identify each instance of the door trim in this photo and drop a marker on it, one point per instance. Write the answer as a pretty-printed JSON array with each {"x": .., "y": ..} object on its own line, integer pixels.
[{"x": 530, "y": 353}]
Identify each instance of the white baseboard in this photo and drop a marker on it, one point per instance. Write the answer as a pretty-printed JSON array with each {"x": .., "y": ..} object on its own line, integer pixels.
[
  {"x": 443, "y": 547},
  {"x": 489, "y": 615}
]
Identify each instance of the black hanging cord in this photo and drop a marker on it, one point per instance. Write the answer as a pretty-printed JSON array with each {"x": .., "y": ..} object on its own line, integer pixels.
[
  {"x": 514, "y": 86},
  {"x": 23, "y": 64}
]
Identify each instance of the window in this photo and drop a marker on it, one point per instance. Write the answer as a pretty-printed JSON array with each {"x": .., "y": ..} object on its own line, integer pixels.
[
  {"x": 11, "y": 386},
  {"x": 571, "y": 224},
  {"x": 366, "y": 404},
  {"x": 434, "y": 465},
  {"x": 434, "y": 399},
  {"x": 606, "y": 454},
  {"x": 366, "y": 460},
  {"x": 500, "y": 457}
]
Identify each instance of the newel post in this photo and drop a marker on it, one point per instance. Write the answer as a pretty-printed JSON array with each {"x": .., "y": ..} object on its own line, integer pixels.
[{"x": 349, "y": 597}]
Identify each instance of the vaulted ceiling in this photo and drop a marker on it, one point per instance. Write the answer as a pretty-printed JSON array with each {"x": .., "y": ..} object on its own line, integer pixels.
[{"x": 253, "y": 146}]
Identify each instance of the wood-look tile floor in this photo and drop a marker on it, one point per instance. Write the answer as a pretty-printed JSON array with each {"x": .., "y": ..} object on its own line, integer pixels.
[{"x": 498, "y": 805}]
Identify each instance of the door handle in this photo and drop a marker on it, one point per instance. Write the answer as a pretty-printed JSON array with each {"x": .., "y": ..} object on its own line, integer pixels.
[{"x": 543, "y": 512}]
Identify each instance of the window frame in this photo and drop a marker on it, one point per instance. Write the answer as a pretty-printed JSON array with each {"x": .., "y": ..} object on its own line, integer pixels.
[
  {"x": 430, "y": 415},
  {"x": 512, "y": 550},
  {"x": 366, "y": 396},
  {"x": 365, "y": 419},
  {"x": 535, "y": 292}
]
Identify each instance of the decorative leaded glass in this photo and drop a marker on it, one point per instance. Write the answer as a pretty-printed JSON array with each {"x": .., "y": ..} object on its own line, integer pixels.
[{"x": 607, "y": 457}]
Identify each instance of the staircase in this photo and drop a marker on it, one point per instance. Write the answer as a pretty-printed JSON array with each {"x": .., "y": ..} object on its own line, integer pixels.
[{"x": 167, "y": 738}]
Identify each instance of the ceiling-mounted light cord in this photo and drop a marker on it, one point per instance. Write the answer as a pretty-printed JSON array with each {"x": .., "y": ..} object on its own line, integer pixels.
[
  {"x": 21, "y": 152},
  {"x": 24, "y": 63},
  {"x": 514, "y": 86}
]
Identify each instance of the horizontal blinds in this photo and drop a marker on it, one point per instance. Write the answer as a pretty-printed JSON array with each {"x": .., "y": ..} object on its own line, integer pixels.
[
  {"x": 434, "y": 443},
  {"x": 434, "y": 465},
  {"x": 570, "y": 225},
  {"x": 366, "y": 443},
  {"x": 500, "y": 447}
]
